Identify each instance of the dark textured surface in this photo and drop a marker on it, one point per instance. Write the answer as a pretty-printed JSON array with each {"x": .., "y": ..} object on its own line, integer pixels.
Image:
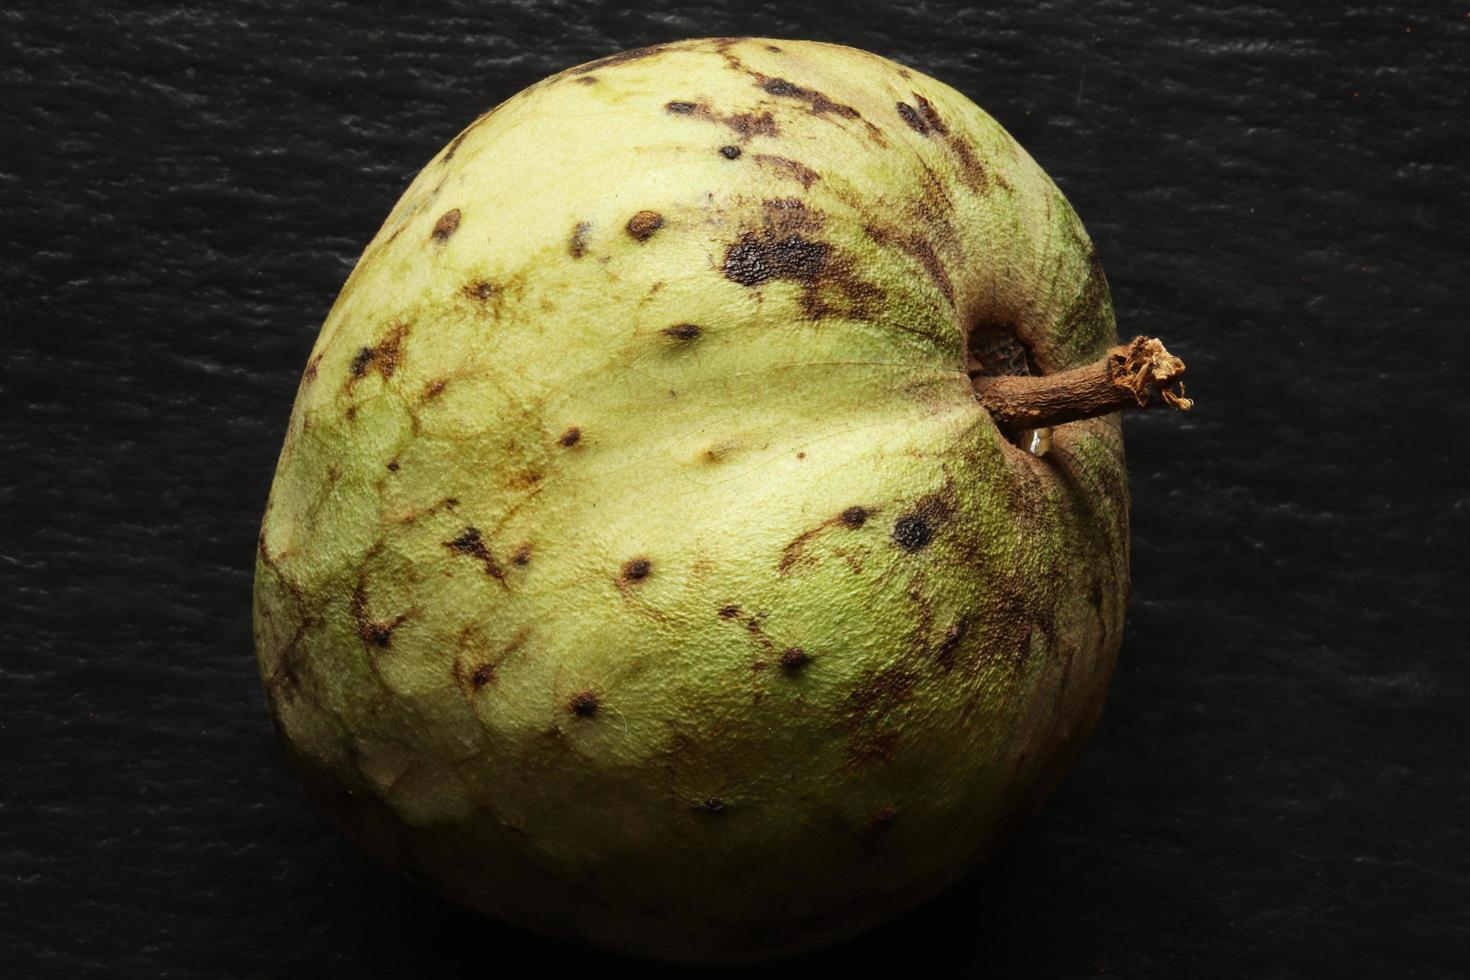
[{"x": 1279, "y": 786}]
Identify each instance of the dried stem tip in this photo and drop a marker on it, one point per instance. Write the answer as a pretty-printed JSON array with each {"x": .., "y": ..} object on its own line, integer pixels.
[{"x": 1128, "y": 376}]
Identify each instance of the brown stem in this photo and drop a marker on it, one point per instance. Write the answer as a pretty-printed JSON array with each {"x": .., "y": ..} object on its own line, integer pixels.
[{"x": 1125, "y": 377}]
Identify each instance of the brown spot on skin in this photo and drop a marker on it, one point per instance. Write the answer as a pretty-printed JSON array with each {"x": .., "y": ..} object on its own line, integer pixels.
[
  {"x": 571, "y": 437},
  {"x": 795, "y": 552},
  {"x": 729, "y": 152},
  {"x": 712, "y": 804},
  {"x": 798, "y": 172},
  {"x": 577, "y": 247},
  {"x": 643, "y": 224},
  {"x": 483, "y": 674},
  {"x": 522, "y": 554},
  {"x": 309, "y": 375},
  {"x": 745, "y": 125},
  {"x": 584, "y": 704},
  {"x": 434, "y": 389},
  {"x": 587, "y": 80},
  {"x": 753, "y": 261},
  {"x": 817, "y": 103},
  {"x": 360, "y": 362},
  {"x": 793, "y": 660},
  {"x": 911, "y": 116},
  {"x": 912, "y": 532},
  {"x": 854, "y": 516},
  {"x": 729, "y": 612},
  {"x": 636, "y": 569},
  {"x": 392, "y": 466},
  {"x": 351, "y": 413},
  {"x": 868, "y": 703},
  {"x": 472, "y": 545},
  {"x": 480, "y": 290},
  {"x": 915, "y": 529},
  {"x": 931, "y": 116},
  {"x": 750, "y": 124},
  {"x": 683, "y": 332},
  {"x": 447, "y": 224},
  {"x": 783, "y": 250},
  {"x": 772, "y": 47},
  {"x": 382, "y": 358},
  {"x": 621, "y": 58}
]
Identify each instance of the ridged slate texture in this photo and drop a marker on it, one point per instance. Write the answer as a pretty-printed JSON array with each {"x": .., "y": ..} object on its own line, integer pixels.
[{"x": 1278, "y": 787}]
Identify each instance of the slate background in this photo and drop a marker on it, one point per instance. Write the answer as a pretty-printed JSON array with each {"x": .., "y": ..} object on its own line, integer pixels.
[{"x": 1279, "y": 785}]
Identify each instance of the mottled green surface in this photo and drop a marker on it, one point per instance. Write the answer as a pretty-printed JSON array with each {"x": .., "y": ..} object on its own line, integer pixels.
[{"x": 639, "y": 564}]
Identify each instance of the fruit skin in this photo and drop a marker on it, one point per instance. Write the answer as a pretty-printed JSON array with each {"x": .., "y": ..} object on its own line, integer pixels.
[{"x": 639, "y": 566}]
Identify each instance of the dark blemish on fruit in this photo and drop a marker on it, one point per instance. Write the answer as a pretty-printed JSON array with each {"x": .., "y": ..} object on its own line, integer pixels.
[
  {"x": 817, "y": 103},
  {"x": 752, "y": 261},
  {"x": 729, "y": 612},
  {"x": 679, "y": 108},
  {"x": 636, "y": 569},
  {"x": 911, "y": 116},
  {"x": 729, "y": 152},
  {"x": 683, "y": 332},
  {"x": 855, "y": 516},
  {"x": 772, "y": 47},
  {"x": 446, "y": 225},
  {"x": 571, "y": 437},
  {"x": 931, "y": 116},
  {"x": 577, "y": 247},
  {"x": 712, "y": 804},
  {"x": 392, "y": 466},
  {"x": 793, "y": 659},
  {"x": 522, "y": 554},
  {"x": 360, "y": 362},
  {"x": 584, "y": 704},
  {"x": 434, "y": 389},
  {"x": 801, "y": 455},
  {"x": 472, "y": 545},
  {"x": 480, "y": 290},
  {"x": 799, "y": 172},
  {"x": 351, "y": 413},
  {"x": 748, "y": 124},
  {"x": 587, "y": 80},
  {"x": 383, "y": 358},
  {"x": 309, "y": 375},
  {"x": 643, "y": 224},
  {"x": 369, "y": 630},
  {"x": 912, "y": 531},
  {"x": 484, "y": 674},
  {"x": 621, "y": 58}
]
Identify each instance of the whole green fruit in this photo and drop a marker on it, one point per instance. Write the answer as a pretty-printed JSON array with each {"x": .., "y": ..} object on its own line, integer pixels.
[{"x": 640, "y": 565}]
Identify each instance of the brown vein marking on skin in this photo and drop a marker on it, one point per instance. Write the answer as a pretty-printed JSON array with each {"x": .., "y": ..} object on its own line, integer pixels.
[
  {"x": 795, "y": 552},
  {"x": 919, "y": 248},
  {"x": 375, "y": 633},
  {"x": 788, "y": 168}
]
